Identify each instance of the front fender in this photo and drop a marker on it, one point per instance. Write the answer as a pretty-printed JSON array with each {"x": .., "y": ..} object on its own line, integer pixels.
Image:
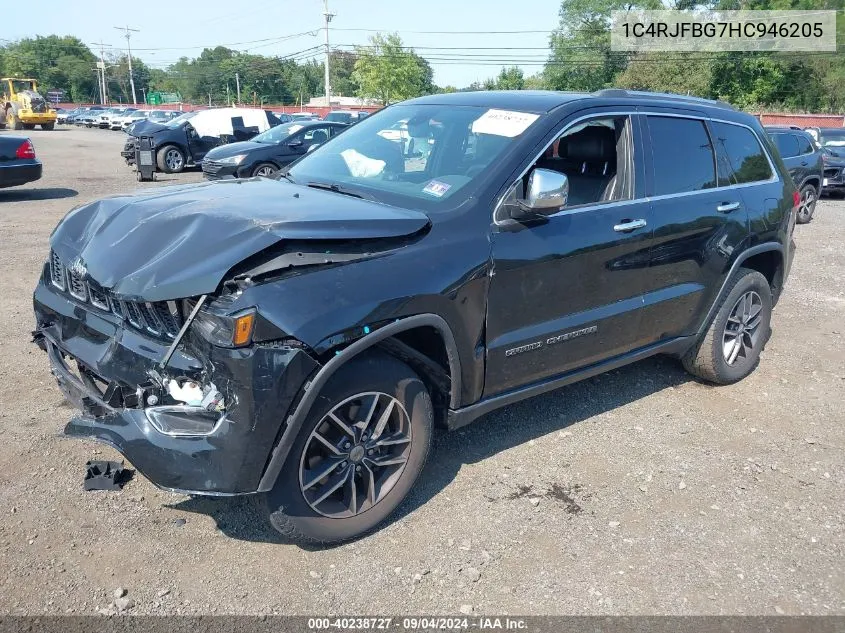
[{"x": 312, "y": 388}]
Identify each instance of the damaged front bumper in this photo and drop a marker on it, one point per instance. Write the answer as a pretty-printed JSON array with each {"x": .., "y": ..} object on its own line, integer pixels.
[{"x": 110, "y": 372}]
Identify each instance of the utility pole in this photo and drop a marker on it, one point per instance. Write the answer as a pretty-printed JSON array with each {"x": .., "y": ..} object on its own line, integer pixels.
[
  {"x": 129, "y": 58},
  {"x": 238, "y": 87},
  {"x": 328, "y": 17},
  {"x": 101, "y": 71}
]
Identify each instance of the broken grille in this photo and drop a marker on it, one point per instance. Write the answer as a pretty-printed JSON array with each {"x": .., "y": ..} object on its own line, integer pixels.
[{"x": 161, "y": 318}]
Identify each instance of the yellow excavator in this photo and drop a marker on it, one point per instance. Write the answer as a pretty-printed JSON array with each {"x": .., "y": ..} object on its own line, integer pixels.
[{"x": 23, "y": 107}]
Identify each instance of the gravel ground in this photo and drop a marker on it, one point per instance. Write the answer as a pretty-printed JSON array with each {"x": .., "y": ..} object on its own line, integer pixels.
[{"x": 639, "y": 491}]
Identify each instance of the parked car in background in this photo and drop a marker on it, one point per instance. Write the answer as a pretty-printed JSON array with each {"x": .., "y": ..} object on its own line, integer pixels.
[
  {"x": 268, "y": 152},
  {"x": 162, "y": 116},
  {"x": 350, "y": 117},
  {"x": 299, "y": 338},
  {"x": 18, "y": 163},
  {"x": 283, "y": 117},
  {"x": 803, "y": 159},
  {"x": 106, "y": 117},
  {"x": 303, "y": 116},
  {"x": 832, "y": 142},
  {"x": 184, "y": 141},
  {"x": 128, "y": 118},
  {"x": 61, "y": 115},
  {"x": 89, "y": 118}
]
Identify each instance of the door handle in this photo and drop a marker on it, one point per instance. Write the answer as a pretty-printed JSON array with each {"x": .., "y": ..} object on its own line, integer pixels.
[
  {"x": 626, "y": 226},
  {"x": 803, "y": 163},
  {"x": 727, "y": 207}
]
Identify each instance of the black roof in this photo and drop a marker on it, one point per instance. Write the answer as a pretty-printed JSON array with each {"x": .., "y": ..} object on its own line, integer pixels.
[
  {"x": 540, "y": 101},
  {"x": 782, "y": 128}
]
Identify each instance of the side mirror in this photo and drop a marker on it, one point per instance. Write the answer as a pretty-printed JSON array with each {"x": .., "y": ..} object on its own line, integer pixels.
[
  {"x": 296, "y": 143},
  {"x": 547, "y": 192}
]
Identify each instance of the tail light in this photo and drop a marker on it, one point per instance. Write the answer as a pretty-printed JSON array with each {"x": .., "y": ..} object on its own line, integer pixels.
[
  {"x": 796, "y": 200},
  {"x": 25, "y": 150},
  {"x": 825, "y": 158}
]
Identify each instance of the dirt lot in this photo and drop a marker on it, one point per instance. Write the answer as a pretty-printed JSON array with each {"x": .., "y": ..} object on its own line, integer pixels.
[{"x": 657, "y": 494}]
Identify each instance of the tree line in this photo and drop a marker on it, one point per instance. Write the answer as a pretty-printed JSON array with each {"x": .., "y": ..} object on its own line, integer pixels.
[{"x": 385, "y": 70}]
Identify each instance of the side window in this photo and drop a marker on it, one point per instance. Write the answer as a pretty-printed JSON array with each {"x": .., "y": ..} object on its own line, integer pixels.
[
  {"x": 787, "y": 144},
  {"x": 804, "y": 145},
  {"x": 682, "y": 155},
  {"x": 741, "y": 151},
  {"x": 315, "y": 136},
  {"x": 597, "y": 158}
]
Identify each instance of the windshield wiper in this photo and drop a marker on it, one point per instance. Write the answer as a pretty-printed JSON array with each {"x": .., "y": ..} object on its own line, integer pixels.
[
  {"x": 330, "y": 186},
  {"x": 286, "y": 175}
]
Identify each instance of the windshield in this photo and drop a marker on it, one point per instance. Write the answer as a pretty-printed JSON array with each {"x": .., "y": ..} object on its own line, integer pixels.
[
  {"x": 179, "y": 119},
  {"x": 833, "y": 138},
  {"x": 340, "y": 117},
  {"x": 278, "y": 133},
  {"x": 443, "y": 151}
]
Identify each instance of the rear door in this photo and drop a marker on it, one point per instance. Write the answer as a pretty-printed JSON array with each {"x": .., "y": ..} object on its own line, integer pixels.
[{"x": 697, "y": 225}]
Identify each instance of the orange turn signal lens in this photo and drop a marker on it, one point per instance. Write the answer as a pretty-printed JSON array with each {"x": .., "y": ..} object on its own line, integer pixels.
[{"x": 243, "y": 329}]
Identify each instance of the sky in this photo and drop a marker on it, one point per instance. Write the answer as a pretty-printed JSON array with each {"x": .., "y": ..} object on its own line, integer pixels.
[{"x": 471, "y": 42}]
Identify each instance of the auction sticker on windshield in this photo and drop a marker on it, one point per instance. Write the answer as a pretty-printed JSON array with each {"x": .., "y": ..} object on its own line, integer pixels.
[
  {"x": 503, "y": 122},
  {"x": 437, "y": 188}
]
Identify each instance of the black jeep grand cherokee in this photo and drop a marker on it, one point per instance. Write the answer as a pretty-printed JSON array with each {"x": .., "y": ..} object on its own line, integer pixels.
[{"x": 301, "y": 337}]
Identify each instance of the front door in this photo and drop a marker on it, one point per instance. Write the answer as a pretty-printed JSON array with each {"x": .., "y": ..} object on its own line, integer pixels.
[{"x": 566, "y": 291}]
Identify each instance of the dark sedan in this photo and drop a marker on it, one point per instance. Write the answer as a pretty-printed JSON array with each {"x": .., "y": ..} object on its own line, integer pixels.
[
  {"x": 268, "y": 152},
  {"x": 18, "y": 164}
]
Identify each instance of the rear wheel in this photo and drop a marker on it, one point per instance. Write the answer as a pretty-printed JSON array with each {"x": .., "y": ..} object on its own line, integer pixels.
[
  {"x": 170, "y": 159},
  {"x": 807, "y": 204},
  {"x": 731, "y": 347},
  {"x": 264, "y": 169},
  {"x": 359, "y": 452}
]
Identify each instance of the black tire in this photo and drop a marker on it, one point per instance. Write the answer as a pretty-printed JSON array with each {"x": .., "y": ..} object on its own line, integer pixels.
[
  {"x": 28, "y": 126},
  {"x": 807, "y": 205},
  {"x": 372, "y": 373},
  {"x": 167, "y": 161},
  {"x": 709, "y": 359},
  {"x": 48, "y": 126},
  {"x": 264, "y": 167}
]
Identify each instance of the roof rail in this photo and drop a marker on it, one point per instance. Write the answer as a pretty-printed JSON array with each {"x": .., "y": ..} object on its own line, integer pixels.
[{"x": 640, "y": 94}]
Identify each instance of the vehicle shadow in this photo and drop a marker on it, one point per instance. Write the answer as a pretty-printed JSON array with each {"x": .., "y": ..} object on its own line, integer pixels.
[
  {"x": 47, "y": 193},
  {"x": 243, "y": 519}
]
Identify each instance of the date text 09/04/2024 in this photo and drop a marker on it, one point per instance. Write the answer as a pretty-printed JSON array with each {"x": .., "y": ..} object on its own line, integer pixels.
[{"x": 417, "y": 623}]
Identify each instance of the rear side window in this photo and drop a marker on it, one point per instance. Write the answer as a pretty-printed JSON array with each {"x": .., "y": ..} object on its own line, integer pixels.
[
  {"x": 742, "y": 158},
  {"x": 787, "y": 144},
  {"x": 804, "y": 146},
  {"x": 682, "y": 155}
]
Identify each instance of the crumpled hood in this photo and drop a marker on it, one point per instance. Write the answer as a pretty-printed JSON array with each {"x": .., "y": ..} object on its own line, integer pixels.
[{"x": 179, "y": 242}]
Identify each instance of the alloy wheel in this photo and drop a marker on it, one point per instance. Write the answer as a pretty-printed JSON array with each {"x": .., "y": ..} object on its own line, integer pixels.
[
  {"x": 807, "y": 204},
  {"x": 265, "y": 171},
  {"x": 742, "y": 330},
  {"x": 173, "y": 159},
  {"x": 355, "y": 455}
]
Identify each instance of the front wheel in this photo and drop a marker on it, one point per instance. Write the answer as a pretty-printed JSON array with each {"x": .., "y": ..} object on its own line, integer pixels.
[
  {"x": 170, "y": 159},
  {"x": 731, "y": 347},
  {"x": 807, "y": 205},
  {"x": 12, "y": 121},
  {"x": 358, "y": 454},
  {"x": 264, "y": 169}
]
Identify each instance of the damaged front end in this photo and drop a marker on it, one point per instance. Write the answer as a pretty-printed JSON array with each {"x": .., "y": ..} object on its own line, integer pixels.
[{"x": 194, "y": 398}]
